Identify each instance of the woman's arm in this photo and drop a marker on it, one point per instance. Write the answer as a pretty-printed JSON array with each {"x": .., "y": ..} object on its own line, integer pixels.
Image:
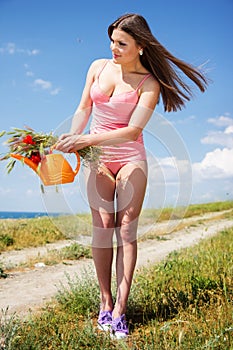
[{"x": 83, "y": 111}]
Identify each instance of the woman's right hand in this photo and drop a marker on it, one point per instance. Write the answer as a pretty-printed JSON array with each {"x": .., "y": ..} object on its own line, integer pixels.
[{"x": 69, "y": 143}]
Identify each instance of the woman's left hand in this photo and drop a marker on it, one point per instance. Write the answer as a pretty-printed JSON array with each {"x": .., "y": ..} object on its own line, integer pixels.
[{"x": 69, "y": 143}]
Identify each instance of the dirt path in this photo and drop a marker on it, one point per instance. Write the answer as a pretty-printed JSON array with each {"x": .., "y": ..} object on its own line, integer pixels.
[{"x": 28, "y": 290}]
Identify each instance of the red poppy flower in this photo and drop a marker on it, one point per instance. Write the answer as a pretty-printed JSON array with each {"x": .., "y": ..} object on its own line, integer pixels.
[
  {"x": 26, "y": 143},
  {"x": 28, "y": 139},
  {"x": 35, "y": 158}
]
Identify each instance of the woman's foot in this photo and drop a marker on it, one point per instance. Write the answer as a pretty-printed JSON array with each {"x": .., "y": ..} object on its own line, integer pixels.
[
  {"x": 105, "y": 320},
  {"x": 119, "y": 327}
]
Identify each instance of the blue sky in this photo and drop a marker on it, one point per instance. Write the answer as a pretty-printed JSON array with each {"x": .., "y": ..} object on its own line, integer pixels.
[{"x": 45, "y": 50}]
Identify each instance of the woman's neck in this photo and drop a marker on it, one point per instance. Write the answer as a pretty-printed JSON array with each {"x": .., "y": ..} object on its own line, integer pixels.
[{"x": 132, "y": 67}]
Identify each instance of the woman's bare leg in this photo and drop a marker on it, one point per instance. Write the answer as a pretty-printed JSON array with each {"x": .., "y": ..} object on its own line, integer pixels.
[
  {"x": 101, "y": 191},
  {"x": 131, "y": 186}
]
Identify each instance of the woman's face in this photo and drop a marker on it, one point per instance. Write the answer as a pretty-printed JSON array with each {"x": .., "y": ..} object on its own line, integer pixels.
[{"x": 124, "y": 47}]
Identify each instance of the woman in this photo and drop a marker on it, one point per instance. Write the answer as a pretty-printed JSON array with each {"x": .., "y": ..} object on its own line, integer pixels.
[{"x": 122, "y": 93}]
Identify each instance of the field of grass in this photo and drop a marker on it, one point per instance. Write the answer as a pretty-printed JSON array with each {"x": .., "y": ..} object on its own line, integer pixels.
[
  {"x": 23, "y": 233},
  {"x": 149, "y": 215},
  {"x": 182, "y": 303}
]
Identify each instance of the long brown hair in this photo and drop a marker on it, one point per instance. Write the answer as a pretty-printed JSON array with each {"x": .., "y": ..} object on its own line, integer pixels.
[{"x": 161, "y": 63}]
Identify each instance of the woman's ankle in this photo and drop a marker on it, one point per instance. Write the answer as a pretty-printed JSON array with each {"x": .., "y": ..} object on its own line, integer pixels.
[
  {"x": 106, "y": 304},
  {"x": 118, "y": 311}
]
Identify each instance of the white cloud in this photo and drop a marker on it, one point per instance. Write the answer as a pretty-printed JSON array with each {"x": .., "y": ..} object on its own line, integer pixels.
[
  {"x": 229, "y": 129},
  {"x": 222, "y": 138},
  {"x": 221, "y": 121},
  {"x": 43, "y": 84},
  {"x": 169, "y": 169},
  {"x": 46, "y": 85},
  {"x": 33, "y": 52},
  {"x": 55, "y": 91},
  {"x": 217, "y": 164},
  {"x": 185, "y": 120},
  {"x": 11, "y": 49},
  {"x": 29, "y": 74},
  {"x": 169, "y": 181},
  {"x": 162, "y": 170},
  {"x": 213, "y": 175}
]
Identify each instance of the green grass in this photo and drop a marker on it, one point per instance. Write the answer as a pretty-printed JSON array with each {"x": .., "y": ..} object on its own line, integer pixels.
[
  {"x": 185, "y": 303},
  {"x": 23, "y": 233},
  {"x": 149, "y": 216},
  {"x": 74, "y": 251}
]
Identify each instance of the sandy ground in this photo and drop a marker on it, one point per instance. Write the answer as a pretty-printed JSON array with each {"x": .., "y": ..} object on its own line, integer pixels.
[{"x": 25, "y": 291}]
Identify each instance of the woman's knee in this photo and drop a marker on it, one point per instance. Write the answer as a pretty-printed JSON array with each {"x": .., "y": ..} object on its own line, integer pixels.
[
  {"x": 103, "y": 229},
  {"x": 126, "y": 229},
  {"x": 102, "y": 237}
]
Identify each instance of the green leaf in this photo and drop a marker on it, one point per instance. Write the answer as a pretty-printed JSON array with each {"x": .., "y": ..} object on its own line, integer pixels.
[
  {"x": 41, "y": 150},
  {"x": 5, "y": 157},
  {"x": 10, "y": 166},
  {"x": 42, "y": 188}
]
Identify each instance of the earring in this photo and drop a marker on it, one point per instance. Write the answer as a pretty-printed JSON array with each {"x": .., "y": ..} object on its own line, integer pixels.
[{"x": 141, "y": 52}]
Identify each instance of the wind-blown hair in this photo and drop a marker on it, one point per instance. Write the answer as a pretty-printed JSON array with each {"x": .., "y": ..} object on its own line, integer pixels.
[{"x": 161, "y": 63}]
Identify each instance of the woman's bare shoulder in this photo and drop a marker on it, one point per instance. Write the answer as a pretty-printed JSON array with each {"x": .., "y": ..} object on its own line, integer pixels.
[
  {"x": 149, "y": 93},
  {"x": 98, "y": 63},
  {"x": 95, "y": 67},
  {"x": 151, "y": 84}
]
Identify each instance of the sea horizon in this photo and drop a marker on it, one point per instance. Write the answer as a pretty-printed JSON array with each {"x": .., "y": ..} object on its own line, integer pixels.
[{"x": 25, "y": 214}]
